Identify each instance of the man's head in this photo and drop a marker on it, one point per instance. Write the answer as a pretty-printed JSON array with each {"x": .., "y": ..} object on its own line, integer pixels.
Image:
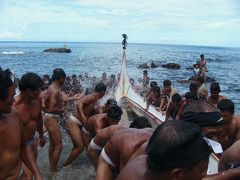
[
  {"x": 202, "y": 56},
  {"x": 190, "y": 96},
  {"x": 167, "y": 86},
  {"x": 140, "y": 123},
  {"x": 104, "y": 75},
  {"x": 156, "y": 90},
  {"x": 30, "y": 84},
  {"x": 59, "y": 75},
  {"x": 193, "y": 87},
  {"x": 100, "y": 88},
  {"x": 227, "y": 109},
  {"x": 145, "y": 72},
  {"x": 114, "y": 114},
  {"x": 178, "y": 150},
  {"x": 177, "y": 99},
  {"x": 215, "y": 90},
  {"x": 7, "y": 91},
  {"x": 110, "y": 102},
  {"x": 206, "y": 116}
]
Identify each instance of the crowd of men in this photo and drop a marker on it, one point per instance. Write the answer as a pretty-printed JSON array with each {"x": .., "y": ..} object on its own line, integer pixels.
[{"x": 178, "y": 149}]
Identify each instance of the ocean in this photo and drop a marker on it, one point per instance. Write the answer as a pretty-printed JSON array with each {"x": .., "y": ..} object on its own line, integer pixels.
[{"x": 96, "y": 58}]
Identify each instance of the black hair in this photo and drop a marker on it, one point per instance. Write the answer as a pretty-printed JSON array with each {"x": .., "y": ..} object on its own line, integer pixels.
[
  {"x": 88, "y": 91},
  {"x": 153, "y": 83},
  {"x": 30, "y": 81},
  {"x": 156, "y": 89},
  {"x": 215, "y": 87},
  {"x": 115, "y": 112},
  {"x": 145, "y": 72},
  {"x": 202, "y": 56},
  {"x": 57, "y": 74},
  {"x": 226, "y": 105},
  {"x": 100, "y": 87},
  {"x": 193, "y": 87},
  {"x": 201, "y": 79},
  {"x": 190, "y": 96},
  {"x": 167, "y": 82},
  {"x": 140, "y": 123},
  {"x": 5, "y": 83},
  {"x": 172, "y": 144},
  {"x": 176, "y": 98},
  {"x": 111, "y": 101}
]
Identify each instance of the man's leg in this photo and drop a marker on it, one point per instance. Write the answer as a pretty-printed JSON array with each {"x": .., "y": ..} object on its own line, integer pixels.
[
  {"x": 56, "y": 146},
  {"x": 93, "y": 155},
  {"x": 77, "y": 140}
]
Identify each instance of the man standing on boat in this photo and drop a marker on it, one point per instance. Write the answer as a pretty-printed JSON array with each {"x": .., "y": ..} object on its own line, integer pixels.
[{"x": 145, "y": 82}]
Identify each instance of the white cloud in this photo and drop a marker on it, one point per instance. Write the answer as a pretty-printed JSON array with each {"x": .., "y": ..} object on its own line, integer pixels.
[{"x": 4, "y": 35}]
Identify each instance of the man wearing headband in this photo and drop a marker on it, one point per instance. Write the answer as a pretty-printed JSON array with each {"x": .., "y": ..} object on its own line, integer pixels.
[
  {"x": 119, "y": 149},
  {"x": 176, "y": 151},
  {"x": 208, "y": 117},
  {"x": 99, "y": 121},
  {"x": 102, "y": 137},
  {"x": 232, "y": 125},
  {"x": 215, "y": 96}
]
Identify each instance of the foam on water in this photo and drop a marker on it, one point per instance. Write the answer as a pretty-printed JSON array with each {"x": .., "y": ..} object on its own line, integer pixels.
[{"x": 12, "y": 52}]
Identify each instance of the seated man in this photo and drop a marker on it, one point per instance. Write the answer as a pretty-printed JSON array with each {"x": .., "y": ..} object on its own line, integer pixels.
[
  {"x": 154, "y": 98},
  {"x": 215, "y": 96},
  {"x": 174, "y": 107},
  {"x": 99, "y": 121},
  {"x": 167, "y": 93},
  {"x": 202, "y": 89},
  {"x": 232, "y": 125},
  {"x": 150, "y": 89},
  {"x": 208, "y": 117},
  {"x": 176, "y": 151},
  {"x": 119, "y": 150},
  {"x": 102, "y": 137}
]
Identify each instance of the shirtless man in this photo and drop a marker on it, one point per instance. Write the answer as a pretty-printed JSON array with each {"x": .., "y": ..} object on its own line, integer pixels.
[
  {"x": 202, "y": 89},
  {"x": 13, "y": 147},
  {"x": 119, "y": 150},
  {"x": 174, "y": 106},
  {"x": 215, "y": 96},
  {"x": 169, "y": 157},
  {"x": 145, "y": 82},
  {"x": 52, "y": 115},
  {"x": 104, "y": 109},
  {"x": 103, "y": 136},
  {"x": 154, "y": 98},
  {"x": 84, "y": 110},
  {"x": 150, "y": 89},
  {"x": 202, "y": 65},
  {"x": 232, "y": 125},
  {"x": 29, "y": 108},
  {"x": 167, "y": 93},
  {"x": 99, "y": 121}
]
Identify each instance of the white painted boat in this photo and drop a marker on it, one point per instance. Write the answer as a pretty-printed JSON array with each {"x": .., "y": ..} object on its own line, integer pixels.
[{"x": 125, "y": 90}]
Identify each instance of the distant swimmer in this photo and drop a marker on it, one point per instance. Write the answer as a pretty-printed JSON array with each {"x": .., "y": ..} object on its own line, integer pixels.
[
  {"x": 99, "y": 121},
  {"x": 232, "y": 125},
  {"x": 85, "y": 108},
  {"x": 215, "y": 96},
  {"x": 169, "y": 157},
  {"x": 29, "y": 107},
  {"x": 13, "y": 145}
]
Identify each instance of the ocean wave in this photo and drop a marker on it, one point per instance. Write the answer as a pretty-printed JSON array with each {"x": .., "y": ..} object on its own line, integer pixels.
[{"x": 13, "y": 52}]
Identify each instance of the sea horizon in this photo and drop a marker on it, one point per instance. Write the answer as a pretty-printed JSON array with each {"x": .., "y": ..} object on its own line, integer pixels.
[{"x": 109, "y": 42}]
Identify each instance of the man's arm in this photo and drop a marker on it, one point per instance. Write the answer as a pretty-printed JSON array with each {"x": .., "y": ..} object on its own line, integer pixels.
[
  {"x": 231, "y": 155},
  {"x": 231, "y": 174},
  {"x": 28, "y": 158},
  {"x": 168, "y": 111},
  {"x": 67, "y": 98},
  {"x": 40, "y": 129},
  {"x": 149, "y": 101},
  {"x": 85, "y": 101}
]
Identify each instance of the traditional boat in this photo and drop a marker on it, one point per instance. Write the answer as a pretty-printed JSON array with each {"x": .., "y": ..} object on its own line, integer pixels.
[{"x": 125, "y": 91}]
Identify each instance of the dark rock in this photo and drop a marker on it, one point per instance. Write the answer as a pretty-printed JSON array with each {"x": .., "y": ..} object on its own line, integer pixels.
[
  {"x": 153, "y": 65},
  {"x": 144, "y": 66},
  {"x": 58, "y": 50},
  {"x": 171, "y": 66}
]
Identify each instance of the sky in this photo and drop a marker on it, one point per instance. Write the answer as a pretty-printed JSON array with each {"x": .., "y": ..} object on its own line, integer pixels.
[{"x": 187, "y": 22}]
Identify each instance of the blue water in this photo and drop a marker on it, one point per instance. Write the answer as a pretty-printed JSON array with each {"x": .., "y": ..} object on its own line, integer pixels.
[{"x": 95, "y": 58}]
